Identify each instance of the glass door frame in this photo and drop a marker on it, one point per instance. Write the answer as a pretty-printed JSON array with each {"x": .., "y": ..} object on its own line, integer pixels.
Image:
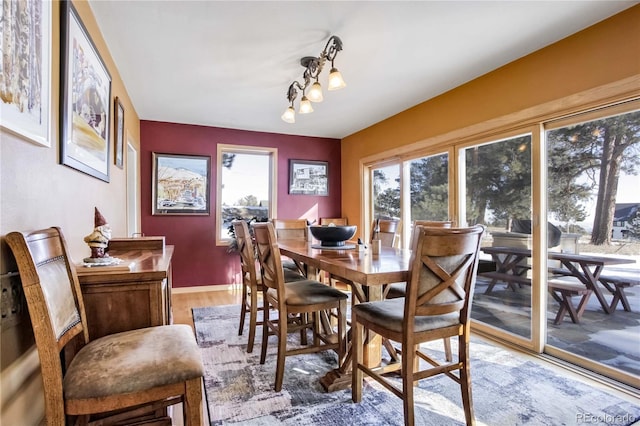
[{"x": 539, "y": 264}]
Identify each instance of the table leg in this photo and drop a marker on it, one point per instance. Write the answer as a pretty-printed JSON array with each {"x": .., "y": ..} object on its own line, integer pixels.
[
  {"x": 590, "y": 279},
  {"x": 340, "y": 378}
]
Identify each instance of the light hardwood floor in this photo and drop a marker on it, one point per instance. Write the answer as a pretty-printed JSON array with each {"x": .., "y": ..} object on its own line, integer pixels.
[{"x": 183, "y": 299}]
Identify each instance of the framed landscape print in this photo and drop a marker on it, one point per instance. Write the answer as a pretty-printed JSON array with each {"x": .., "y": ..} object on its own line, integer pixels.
[
  {"x": 85, "y": 96},
  {"x": 181, "y": 184},
  {"x": 308, "y": 177},
  {"x": 118, "y": 127},
  {"x": 25, "y": 69}
]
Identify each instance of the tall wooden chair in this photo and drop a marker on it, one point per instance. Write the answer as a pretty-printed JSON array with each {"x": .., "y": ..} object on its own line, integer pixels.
[
  {"x": 292, "y": 229},
  {"x": 387, "y": 231},
  {"x": 252, "y": 281},
  {"x": 440, "y": 289},
  {"x": 295, "y": 299},
  {"x": 395, "y": 290},
  {"x": 142, "y": 370}
]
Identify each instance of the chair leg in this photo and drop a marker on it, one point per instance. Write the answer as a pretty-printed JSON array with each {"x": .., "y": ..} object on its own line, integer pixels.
[
  {"x": 192, "y": 405},
  {"x": 282, "y": 350},
  {"x": 253, "y": 319},
  {"x": 408, "y": 360},
  {"x": 243, "y": 308},
  {"x": 447, "y": 349},
  {"x": 357, "y": 358},
  {"x": 465, "y": 380},
  {"x": 265, "y": 330}
]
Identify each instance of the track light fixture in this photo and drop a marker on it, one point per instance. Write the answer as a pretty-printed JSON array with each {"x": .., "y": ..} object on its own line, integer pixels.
[{"x": 313, "y": 68}]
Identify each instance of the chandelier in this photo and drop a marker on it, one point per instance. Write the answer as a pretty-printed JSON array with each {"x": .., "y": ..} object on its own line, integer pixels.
[{"x": 313, "y": 68}]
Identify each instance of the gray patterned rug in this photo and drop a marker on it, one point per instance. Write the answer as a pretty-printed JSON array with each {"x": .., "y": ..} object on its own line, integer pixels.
[{"x": 508, "y": 388}]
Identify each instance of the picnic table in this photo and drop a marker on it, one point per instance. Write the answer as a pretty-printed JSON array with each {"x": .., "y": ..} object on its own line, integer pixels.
[{"x": 511, "y": 268}]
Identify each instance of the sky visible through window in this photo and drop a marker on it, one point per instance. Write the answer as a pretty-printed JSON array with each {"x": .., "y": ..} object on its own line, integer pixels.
[{"x": 249, "y": 175}]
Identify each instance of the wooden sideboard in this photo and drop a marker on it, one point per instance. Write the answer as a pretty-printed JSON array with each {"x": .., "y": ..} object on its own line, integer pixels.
[{"x": 124, "y": 300}]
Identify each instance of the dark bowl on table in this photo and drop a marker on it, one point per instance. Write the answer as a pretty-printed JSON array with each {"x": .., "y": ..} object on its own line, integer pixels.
[{"x": 333, "y": 236}]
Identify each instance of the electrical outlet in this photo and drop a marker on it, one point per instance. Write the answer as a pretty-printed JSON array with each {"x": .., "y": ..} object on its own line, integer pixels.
[{"x": 12, "y": 303}]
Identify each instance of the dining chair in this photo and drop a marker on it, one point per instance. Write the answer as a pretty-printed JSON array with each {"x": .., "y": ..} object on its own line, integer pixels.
[
  {"x": 292, "y": 229},
  {"x": 395, "y": 290},
  {"x": 338, "y": 221},
  {"x": 301, "y": 298},
  {"x": 387, "y": 231},
  {"x": 252, "y": 281},
  {"x": 143, "y": 370},
  {"x": 442, "y": 276}
]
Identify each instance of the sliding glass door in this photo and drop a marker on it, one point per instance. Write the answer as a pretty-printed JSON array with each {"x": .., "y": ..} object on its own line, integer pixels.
[
  {"x": 497, "y": 182},
  {"x": 593, "y": 198}
]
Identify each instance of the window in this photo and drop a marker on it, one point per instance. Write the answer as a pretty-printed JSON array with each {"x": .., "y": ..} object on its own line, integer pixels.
[{"x": 246, "y": 181}]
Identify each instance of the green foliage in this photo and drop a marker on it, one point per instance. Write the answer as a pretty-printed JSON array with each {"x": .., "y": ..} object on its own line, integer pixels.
[
  {"x": 429, "y": 188},
  {"x": 499, "y": 179}
]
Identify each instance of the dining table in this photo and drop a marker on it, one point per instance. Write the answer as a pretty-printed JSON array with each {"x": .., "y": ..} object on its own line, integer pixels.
[
  {"x": 511, "y": 268},
  {"x": 366, "y": 274}
]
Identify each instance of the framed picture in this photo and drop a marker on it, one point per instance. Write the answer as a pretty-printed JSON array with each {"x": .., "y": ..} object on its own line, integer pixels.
[
  {"x": 181, "y": 184},
  {"x": 308, "y": 177},
  {"x": 25, "y": 69},
  {"x": 85, "y": 99},
  {"x": 118, "y": 128}
]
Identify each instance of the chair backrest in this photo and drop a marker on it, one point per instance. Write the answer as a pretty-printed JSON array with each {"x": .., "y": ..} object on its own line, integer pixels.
[
  {"x": 338, "y": 221},
  {"x": 270, "y": 260},
  {"x": 442, "y": 271},
  {"x": 247, "y": 253},
  {"x": 434, "y": 223},
  {"x": 54, "y": 300},
  {"x": 388, "y": 231},
  {"x": 291, "y": 229}
]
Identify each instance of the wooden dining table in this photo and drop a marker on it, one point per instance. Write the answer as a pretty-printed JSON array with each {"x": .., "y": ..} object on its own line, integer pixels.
[
  {"x": 585, "y": 267},
  {"x": 366, "y": 273}
]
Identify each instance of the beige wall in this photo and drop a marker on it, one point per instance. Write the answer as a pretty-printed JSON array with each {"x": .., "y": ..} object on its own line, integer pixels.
[
  {"x": 557, "y": 76},
  {"x": 37, "y": 192}
]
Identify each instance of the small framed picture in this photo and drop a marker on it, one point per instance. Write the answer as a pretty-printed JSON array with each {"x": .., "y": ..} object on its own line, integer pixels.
[
  {"x": 308, "y": 177},
  {"x": 181, "y": 184},
  {"x": 118, "y": 128}
]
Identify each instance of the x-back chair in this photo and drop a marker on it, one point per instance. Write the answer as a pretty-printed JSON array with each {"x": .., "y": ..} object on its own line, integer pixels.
[
  {"x": 252, "y": 281},
  {"x": 293, "y": 301},
  {"x": 440, "y": 289}
]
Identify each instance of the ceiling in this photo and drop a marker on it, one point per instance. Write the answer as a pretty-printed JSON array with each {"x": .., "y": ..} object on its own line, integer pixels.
[{"x": 230, "y": 63}]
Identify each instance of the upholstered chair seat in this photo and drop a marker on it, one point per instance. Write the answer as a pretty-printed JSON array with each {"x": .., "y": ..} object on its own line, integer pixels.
[{"x": 119, "y": 364}]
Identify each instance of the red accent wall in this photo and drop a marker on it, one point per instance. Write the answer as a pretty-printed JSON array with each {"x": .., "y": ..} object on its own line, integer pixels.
[{"x": 197, "y": 260}]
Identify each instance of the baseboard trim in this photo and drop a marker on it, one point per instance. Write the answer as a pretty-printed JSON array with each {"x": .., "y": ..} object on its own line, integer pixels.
[{"x": 201, "y": 288}]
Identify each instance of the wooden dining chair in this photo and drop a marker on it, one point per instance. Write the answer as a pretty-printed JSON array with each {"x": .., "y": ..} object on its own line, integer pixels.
[
  {"x": 292, "y": 229},
  {"x": 395, "y": 290},
  {"x": 293, "y": 302},
  {"x": 252, "y": 281},
  {"x": 442, "y": 273},
  {"x": 338, "y": 221},
  {"x": 143, "y": 370},
  {"x": 387, "y": 231}
]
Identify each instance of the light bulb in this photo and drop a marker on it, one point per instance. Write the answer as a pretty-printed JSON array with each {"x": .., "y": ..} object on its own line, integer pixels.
[
  {"x": 289, "y": 115},
  {"x": 315, "y": 93},
  {"x": 335, "y": 80},
  {"x": 305, "y": 106}
]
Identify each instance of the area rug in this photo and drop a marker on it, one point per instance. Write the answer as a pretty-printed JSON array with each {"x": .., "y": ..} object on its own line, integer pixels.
[{"x": 508, "y": 388}]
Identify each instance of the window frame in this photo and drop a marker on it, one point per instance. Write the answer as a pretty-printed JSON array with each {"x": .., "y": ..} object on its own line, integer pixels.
[{"x": 273, "y": 180}]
